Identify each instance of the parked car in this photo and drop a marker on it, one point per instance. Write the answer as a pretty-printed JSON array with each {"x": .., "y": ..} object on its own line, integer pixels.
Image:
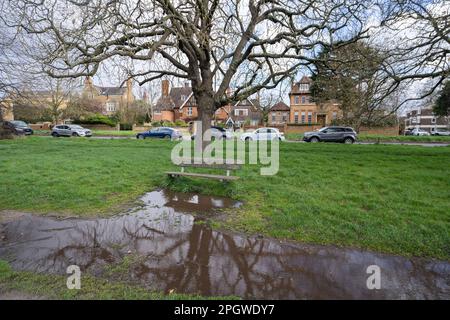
[
  {"x": 18, "y": 127},
  {"x": 70, "y": 130},
  {"x": 160, "y": 132},
  {"x": 419, "y": 132},
  {"x": 218, "y": 133},
  {"x": 332, "y": 134},
  {"x": 263, "y": 134},
  {"x": 408, "y": 132},
  {"x": 440, "y": 132}
]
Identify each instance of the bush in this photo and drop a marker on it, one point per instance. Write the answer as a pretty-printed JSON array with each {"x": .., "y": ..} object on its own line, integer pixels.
[
  {"x": 181, "y": 123},
  {"x": 168, "y": 124},
  {"x": 96, "y": 119},
  {"x": 126, "y": 126},
  {"x": 156, "y": 123}
]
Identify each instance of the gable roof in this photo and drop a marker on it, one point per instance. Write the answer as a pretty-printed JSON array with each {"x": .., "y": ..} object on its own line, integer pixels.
[
  {"x": 111, "y": 91},
  {"x": 280, "y": 106}
]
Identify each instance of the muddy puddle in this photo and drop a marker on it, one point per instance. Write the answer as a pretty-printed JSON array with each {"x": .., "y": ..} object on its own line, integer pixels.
[{"x": 168, "y": 251}]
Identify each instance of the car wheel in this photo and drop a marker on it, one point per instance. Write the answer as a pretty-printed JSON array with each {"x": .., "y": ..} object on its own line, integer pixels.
[
  {"x": 74, "y": 134},
  {"x": 55, "y": 134},
  {"x": 248, "y": 139},
  {"x": 348, "y": 141},
  {"x": 314, "y": 140},
  {"x": 141, "y": 137},
  {"x": 167, "y": 137}
]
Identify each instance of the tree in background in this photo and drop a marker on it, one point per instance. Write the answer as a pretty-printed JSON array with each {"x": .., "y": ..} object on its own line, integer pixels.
[
  {"x": 442, "y": 104},
  {"x": 353, "y": 77},
  {"x": 215, "y": 44}
]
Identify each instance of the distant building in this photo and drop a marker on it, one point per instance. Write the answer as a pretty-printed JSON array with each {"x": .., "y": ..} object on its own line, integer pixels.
[
  {"x": 304, "y": 110},
  {"x": 110, "y": 99},
  {"x": 174, "y": 104},
  {"x": 279, "y": 114},
  {"x": 6, "y": 109},
  {"x": 424, "y": 118},
  {"x": 245, "y": 112}
]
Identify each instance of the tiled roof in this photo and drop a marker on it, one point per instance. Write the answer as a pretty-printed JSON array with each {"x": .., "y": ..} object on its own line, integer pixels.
[
  {"x": 111, "y": 91},
  {"x": 280, "y": 106}
]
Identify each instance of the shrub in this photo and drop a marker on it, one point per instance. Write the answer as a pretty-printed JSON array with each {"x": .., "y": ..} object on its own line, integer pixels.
[
  {"x": 96, "y": 119},
  {"x": 180, "y": 123},
  {"x": 168, "y": 124},
  {"x": 126, "y": 126}
]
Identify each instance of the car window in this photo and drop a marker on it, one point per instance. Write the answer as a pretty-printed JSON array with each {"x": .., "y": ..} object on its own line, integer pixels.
[
  {"x": 330, "y": 130},
  {"x": 263, "y": 130}
]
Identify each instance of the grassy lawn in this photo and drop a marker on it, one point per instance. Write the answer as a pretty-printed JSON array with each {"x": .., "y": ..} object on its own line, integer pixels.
[
  {"x": 385, "y": 198},
  {"x": 54, "y": 287},
  {"x": 384, "y": 138}
]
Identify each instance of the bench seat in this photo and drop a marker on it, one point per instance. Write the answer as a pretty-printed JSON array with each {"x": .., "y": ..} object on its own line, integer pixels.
[{"x": 202, "y": 175}]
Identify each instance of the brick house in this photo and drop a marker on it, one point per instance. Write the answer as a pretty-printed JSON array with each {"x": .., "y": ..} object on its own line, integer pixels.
[
  {"x": 111, "y": 99},
  {"x": 247, "y": 111},
  {"x": 304, "y": 110},
  {"x": 279, "y": 114},
  {"x": 177, "y": 103},
  {"x": 425, "y": 119}
]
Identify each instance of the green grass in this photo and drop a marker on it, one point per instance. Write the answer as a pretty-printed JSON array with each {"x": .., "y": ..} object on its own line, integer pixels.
[
  {"x": 54, "y": 287},
  {"x": 385, "y": 198},
  {"x": 384, "y": 138}
]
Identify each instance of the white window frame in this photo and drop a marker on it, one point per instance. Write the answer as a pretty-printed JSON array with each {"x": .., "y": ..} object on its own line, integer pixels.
[
  {"x": 244, "y": 112},
  {"x": 111, "y": 106},
  {"x": 189, "y": 111}
]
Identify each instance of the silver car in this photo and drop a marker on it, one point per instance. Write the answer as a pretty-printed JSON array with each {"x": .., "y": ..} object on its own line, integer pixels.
[{"x": 70, "y": 130}]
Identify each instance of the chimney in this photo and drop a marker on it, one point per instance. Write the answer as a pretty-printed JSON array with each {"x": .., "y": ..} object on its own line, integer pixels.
[
  {"x": 88, "y": 82},
  {"x": 165, "y": 88}
]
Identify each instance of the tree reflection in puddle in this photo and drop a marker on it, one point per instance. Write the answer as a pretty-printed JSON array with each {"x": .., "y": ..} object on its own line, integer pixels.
[{"x": 177, "y": 254}]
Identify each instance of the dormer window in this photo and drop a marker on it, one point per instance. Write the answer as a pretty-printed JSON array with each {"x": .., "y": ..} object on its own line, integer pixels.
[{"x": 304, "y": 87}]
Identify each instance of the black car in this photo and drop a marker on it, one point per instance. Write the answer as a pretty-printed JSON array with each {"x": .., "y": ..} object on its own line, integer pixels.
[
  {"x": 18, "y": 127},
  {"x": 331, "y": 134}
]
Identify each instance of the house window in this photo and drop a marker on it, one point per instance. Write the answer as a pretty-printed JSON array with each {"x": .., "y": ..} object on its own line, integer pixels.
[
  {"x": 309, "y": 117},
  {"x": 297, "y": 100},
  {"x": 303, "y": 117},
  {"x": 304, "y": 87},
  {"x": 273, "y": 117},
  {"x": 241, "y": 112},
  {"x": 433, "y": 120},
  {"x": 183, "y": 97},
  {"x": 110, "y": 106},
  {"x": 296, "y": 117},
  {"x": 189, "y": 111},
  {"x": 303, "y": 100},
  {"x": 284, "y": 117}
]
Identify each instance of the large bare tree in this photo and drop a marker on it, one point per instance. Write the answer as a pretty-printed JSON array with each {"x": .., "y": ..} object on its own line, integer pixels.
[{"x": 215, "y": 44}]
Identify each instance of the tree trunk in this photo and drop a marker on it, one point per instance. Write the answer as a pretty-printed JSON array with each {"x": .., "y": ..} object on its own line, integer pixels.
[
  {"x": 205, "y": 107},
  {"x": 4, "y": 132}
]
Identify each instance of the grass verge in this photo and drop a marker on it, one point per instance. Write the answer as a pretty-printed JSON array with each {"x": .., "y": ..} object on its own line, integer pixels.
[
  {"x": 387, "y": 198},
  {"x": 54, "y": 287}
]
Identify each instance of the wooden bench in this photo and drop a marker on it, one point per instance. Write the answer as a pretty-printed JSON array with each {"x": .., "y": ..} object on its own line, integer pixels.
[{"x": 227, "y": 167}]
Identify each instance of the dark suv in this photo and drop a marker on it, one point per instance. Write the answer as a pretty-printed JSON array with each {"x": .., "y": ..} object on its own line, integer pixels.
[
  {"x": 332, "y": 134},
  {"x": 18, "y": 127}
]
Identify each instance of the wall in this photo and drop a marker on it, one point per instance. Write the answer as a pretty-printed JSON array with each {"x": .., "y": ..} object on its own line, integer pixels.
[
  {"x": 291, "y": 128},
  {"x": 388, "y": 131}
]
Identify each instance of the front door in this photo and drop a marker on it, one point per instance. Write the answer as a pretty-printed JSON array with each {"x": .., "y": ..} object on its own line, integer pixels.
[{"x": 322, "y": 119}]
